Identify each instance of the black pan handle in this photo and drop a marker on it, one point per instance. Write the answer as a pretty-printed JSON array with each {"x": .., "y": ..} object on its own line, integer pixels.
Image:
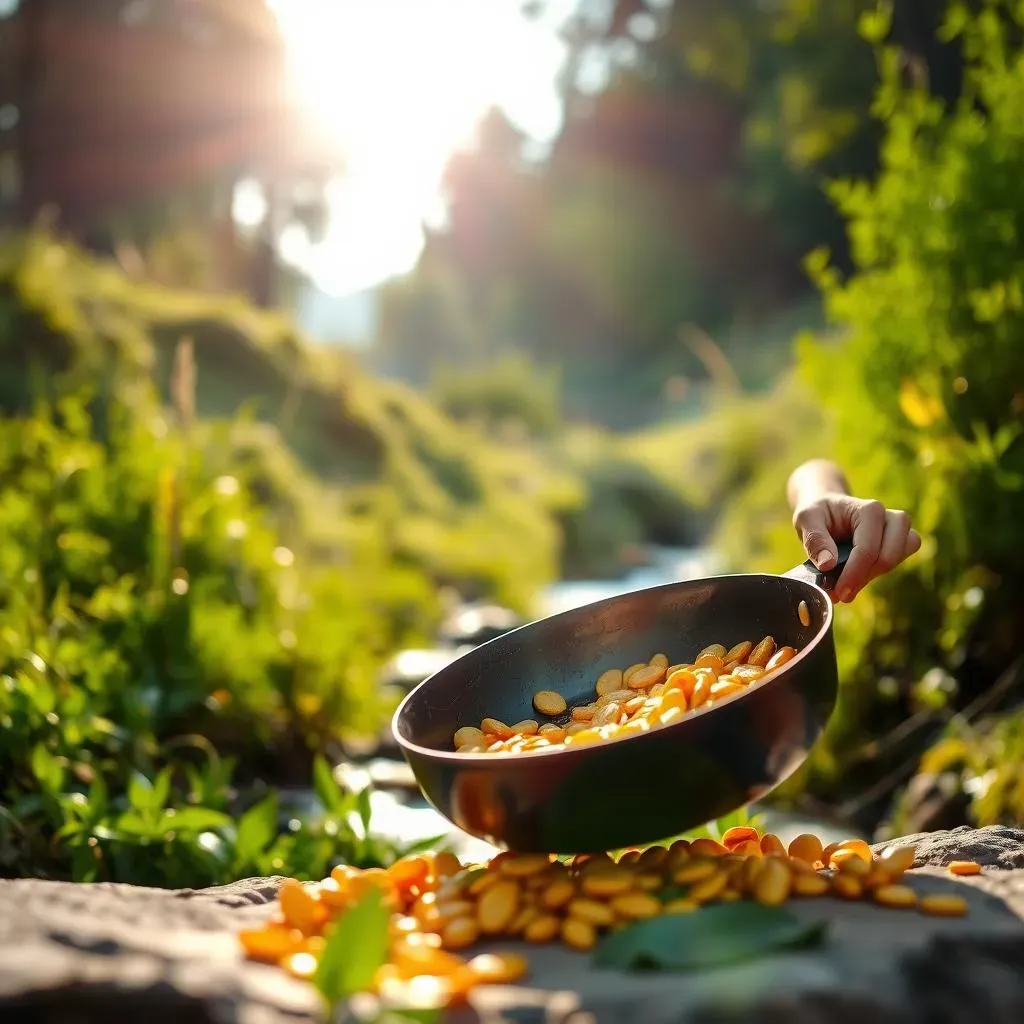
[{"x": 810, "y": 573}]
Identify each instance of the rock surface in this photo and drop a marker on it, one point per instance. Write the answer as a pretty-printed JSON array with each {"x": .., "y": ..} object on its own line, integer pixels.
[{"x": 85, "y": 954}]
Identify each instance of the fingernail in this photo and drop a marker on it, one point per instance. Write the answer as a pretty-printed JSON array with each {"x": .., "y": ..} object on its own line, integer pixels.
[{"x": 823, "y": 559}]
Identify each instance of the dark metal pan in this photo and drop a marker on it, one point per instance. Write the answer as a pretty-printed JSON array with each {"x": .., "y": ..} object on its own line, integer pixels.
[{"x": 652, "y": 785}]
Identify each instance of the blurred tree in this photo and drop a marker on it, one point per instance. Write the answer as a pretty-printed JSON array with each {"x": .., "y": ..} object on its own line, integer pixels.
[{"x": 133, "y": 115}]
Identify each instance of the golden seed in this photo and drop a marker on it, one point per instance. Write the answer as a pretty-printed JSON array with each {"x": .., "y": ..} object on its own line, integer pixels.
[
  {"x": 709, "y": 888},
  {"x": 578, "y": 934},
  {"x": 806, "y": 847},
  {"x": 762, "y": 653},
  {"x": 542, "y": 929},
  {"x": 558, "y": 894},
  {"x": 609, "y": 681},
  {"x": 594, "y": 913},
  {"x": 964, "y": 867},
  {"x": 804, "y": 613},
  {"x": 636, "y": 906},
  {"x": 496, "y": 728},
  {"x": 547, "y": 702},
  {"x": 468, "y": 736},
  {"x": 460, "y": 932},
  {"x": 772, "y": 883},
  {"x": 680, "y": 906},
  {"x": 695, "y": 871},
  {"x": 896, "y": 896},
  {"x": 498, "y": 907},
  {"x": 631, "y": 671},
  {"x": 942, "y": 905},
  {"x": 524, "y": 864},
  {"x": 499, "y": 968}
]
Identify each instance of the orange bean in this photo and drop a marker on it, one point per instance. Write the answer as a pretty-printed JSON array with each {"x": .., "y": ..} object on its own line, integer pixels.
[
  {"x": 271, "y": 943},
  {"x": 496, "y": 728},
  {"x": 542, "y": 929},
  {"x": 738, "y": 834},
  {"x": 716, "y": 650},
  {"x": 739, "y": 653},
  {"x": 772, "y": 844},
  {"x": 712, "y": 662},
  {"x": 762, "y": 653},
  {"x": 704, "y": 846},
  {"x": 964, "y": 867},
  {"x": 661, "y": 660},
  {"x": 773, "y": 883},
  {"x": 806, "y": 847},
  {"x": 646, "y": 677},
  {"x": 896, "y": 896},
  {"x": 609, "y": 681},
  {"x": 631, "y": 671},
  {"x": 943, "y": 905},
  {"x": 804, "y": 613},
  {"x": 782, "y": 656}
]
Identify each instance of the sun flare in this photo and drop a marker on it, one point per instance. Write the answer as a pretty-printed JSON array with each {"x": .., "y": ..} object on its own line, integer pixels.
[{"x": 398, "y": 86}]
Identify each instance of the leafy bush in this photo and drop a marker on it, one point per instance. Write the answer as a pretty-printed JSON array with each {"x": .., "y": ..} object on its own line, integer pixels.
[
  {"x": 154, "y": 620},
  {"x": 922, "y": 398}
]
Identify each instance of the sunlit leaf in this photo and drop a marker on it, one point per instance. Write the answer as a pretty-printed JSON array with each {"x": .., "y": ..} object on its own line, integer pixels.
[
  {"x": 356, "y": 948},
  {"x": 256, "y": 829}
]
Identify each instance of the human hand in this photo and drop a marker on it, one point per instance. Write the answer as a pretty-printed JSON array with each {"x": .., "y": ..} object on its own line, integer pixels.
[{"x": 823, "y": 512}]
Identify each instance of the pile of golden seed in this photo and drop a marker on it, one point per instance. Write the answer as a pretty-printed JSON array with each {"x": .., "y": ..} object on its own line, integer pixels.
[
  {"x": 644, "y": 696},
  {"x": 440, "y": 907}
]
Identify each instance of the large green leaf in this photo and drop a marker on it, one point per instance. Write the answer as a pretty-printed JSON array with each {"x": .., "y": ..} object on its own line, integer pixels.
[
  {"x": 357, "y": 946},
  {"x": 712, "y": 937}
]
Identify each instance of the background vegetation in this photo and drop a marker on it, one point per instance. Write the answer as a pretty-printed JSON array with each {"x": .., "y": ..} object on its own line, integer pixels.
[{"x": 213, "y": 533}]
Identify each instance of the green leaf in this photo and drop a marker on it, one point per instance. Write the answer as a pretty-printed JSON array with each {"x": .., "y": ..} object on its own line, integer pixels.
[
  {"x": 257, "y": 829},
  {"x": 433, "y": 843},
  {"x": 356, "y": 947},
  {"x": 47, "y": 770},
  {"x": 193, "y": 819},
  {"x": 364, "y": 810},
  {"x": 711, "y": 937},
  {"x": 327, "y": 790}
]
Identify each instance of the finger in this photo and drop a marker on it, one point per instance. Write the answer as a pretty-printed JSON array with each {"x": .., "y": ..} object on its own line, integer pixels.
[
  {"x": 893, "y": 548},
  {"x": 913, "y": 544},
  {"x": 868, "y": 526},
  {"x": 811, "y": 525}
]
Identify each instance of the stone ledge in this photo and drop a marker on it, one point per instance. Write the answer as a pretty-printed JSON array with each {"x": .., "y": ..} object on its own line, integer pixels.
[{"x": 85, "y": 954}]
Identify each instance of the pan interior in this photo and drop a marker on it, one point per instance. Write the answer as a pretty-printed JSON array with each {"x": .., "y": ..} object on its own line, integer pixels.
[{"x": 567, "y": 652}]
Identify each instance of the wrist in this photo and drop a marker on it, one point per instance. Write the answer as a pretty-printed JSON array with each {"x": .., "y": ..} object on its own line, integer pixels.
[{"x": 814, "y": 480}]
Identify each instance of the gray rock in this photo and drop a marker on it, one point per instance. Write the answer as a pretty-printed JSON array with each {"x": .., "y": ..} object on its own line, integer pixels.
[{"x": 85, "y": 954}]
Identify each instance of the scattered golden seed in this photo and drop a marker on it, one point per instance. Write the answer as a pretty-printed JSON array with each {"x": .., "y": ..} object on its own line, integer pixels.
[
  {"x": 804, "y": 613},
  {"x": 896, "y": 896},
  {"x": 943, "y": 905},
  {"x": 964, "y": 867}
]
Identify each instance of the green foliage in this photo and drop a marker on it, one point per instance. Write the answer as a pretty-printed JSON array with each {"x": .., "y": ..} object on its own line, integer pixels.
[
  {"x": 507, "y": 396},
  {"x": 712, "y": 937},
  {"x": 923, "y": 404},
  {"x": 356, "y": 948}
]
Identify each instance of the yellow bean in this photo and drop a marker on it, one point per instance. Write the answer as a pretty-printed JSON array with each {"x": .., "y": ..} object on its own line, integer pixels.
[
  {"x": 848, "y": 887},
  {"x": 646, "y": 677},
  {"x": 897, "y": 859},
  {"x": 578, "y": 934},
  {"x": 661, "y": 660},
  {"x": 704, "y": 892},
  {"x": 524, "y": 864},
  {"x": 609, "y": 681},
  {"x": 498, "y": 907},
  {"x": 460, "y": 932},
  {"x": 856, "y": 846},
  {"x": 695, "y": 871},
  {"x": 762, "y": 653},
  {"x": 714, "y": 650},
  {"x": 468, "y": 736},
  {"x": 594, "y": 913},
  {"x": 552, "y": 733},
  {"x": 804, "y": 613},
  {"x": 453, "y": 909},
  {"x": 542, "y": 929},
  {"x": 631, "y": 671},
  {"x": 680, "y": 906},
  {"x": 609, "y": 881},
  {"x": 496, "y": 728},
  {"x": 808, "y": 884},
  {"x": 850, "y": 862},
  {"x": 738, "y": 653},
  {"x": 547, "y": 702},
  {"x": 616, "y": 696},
  {"x": 637, "y": 906},
  {"x": 528, "y": 727},
  {"x": 896, "y": 896},
  {"x": 942, "y": 905},
  {"x": 806, "y": 847},
  {"x": 558, "y": 894},
  {"x": 964, "y": 867},
  {"x": 499, "y": 968},
  {"x": 773, "y": 882},
  {"x": 781, "y": 657},
  {"x": 703, "y": 846},
  {"x": 772, "y": 845},
  {"x": 584, "y": 713}
]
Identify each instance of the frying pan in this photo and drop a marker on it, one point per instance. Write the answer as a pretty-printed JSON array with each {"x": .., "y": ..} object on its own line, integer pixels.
[{"x": 648, "y": 786}]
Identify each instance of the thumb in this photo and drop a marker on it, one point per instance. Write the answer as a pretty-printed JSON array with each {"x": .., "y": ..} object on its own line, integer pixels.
[{"x": 812, "y": 528}]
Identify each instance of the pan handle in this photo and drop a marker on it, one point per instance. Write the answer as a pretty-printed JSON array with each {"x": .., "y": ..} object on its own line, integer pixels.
[{"x": 810, "y": 573}]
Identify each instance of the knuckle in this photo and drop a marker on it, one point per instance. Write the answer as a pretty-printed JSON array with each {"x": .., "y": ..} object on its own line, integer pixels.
[
  {"x": 873, "y": 508},
  {"x": 900, "y": 518}
]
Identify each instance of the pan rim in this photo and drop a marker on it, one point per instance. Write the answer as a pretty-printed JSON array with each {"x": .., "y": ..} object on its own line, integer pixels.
[{"x": 478, "y": 760}]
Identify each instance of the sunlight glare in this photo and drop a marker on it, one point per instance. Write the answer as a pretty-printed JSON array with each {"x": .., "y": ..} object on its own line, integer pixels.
[{"x": 399, "y": 85}]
